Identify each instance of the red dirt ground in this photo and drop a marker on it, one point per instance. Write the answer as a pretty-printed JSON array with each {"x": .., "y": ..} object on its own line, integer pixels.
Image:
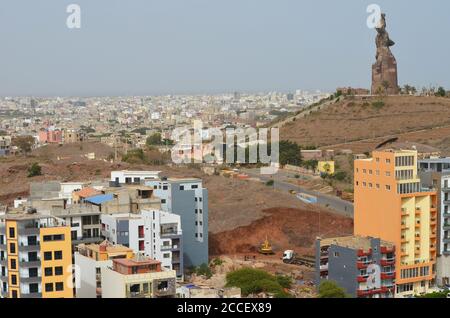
[{"x": 285, "y": 228}]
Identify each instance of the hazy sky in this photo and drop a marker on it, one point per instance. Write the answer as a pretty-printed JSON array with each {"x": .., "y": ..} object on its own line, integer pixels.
[{"x": 144, "y": 47}]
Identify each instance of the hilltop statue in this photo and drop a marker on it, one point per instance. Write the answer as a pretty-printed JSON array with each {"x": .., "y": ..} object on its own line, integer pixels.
[{"x": 384, "y": 71}]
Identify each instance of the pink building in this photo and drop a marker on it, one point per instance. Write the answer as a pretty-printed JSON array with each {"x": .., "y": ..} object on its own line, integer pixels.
[{"x": 50, "y": 135}]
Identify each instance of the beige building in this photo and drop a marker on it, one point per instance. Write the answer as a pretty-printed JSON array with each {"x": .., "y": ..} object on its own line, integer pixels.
[{"x": 140, "y": 277}]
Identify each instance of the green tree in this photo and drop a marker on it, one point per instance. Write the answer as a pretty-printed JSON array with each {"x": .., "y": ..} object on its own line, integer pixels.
[
  {"x": 290, "y": 153},
  {"x": 270, "y": 183},
  {"x": 253, "y": 281},
  {"x": 24, "y": 143},
  {"x": 329, "y": 289},
  {"x": 34, "y": 170},
  {"x": 441, "y": 92},
  {"x": 154, "y": 140}
]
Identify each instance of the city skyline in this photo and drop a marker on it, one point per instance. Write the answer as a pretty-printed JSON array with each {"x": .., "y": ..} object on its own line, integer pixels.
[{"x": 157, "y": 48}]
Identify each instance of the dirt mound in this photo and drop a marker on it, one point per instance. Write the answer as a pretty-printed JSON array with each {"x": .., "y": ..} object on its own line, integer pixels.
[
  {"x": 358, "y": 119},
  {"x": 286, "y": 228}
]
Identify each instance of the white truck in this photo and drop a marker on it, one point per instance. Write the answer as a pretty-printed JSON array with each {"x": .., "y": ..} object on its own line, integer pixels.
[{"x": 290, "y": 257}]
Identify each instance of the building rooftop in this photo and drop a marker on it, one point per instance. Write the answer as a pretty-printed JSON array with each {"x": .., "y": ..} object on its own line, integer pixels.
[
  {"x": 106, "y": 247},
  {"x": 354, "y": 242},
  {"x": 407, "y": 145},
  {"x": 87, "y": 192},
  {"x": 138, "y": 260},
  {"x": 101, "y": 198}
]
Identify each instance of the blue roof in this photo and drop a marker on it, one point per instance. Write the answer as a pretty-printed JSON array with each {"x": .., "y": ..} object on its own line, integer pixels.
[{"x": 101, "y": 198}]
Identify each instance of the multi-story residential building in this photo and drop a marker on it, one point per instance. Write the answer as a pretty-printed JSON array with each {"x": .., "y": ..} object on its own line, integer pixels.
[
  {"x": 50, "y": 135},
  {"x": 363, "y": 266},
  {"x": 154, "y": 233},
  {"x": 139, "y": 277},
  {"x": 133, "y": 177},
  {"x": 185, "y": 197},
  {"x": 90, "y": 259},
  {"x": 73, "y": 135},
  {"x": 391, "y": 204},
  {"x": 35, "y": 257},
  {"x": 189, "y": 199},
  {"x": 5, "y": 145},
  {"x": 435, "y": 172}
]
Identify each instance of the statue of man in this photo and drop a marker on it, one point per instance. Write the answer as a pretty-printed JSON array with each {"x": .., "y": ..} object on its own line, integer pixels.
[{"x": 383, "y": 41}]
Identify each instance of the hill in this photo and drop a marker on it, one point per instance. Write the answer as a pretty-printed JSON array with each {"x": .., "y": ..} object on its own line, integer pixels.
[{"x": 371, "y": 120}]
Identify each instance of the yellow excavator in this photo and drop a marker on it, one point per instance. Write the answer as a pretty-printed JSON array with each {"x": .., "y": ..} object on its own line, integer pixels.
[{"x": 266, "y": 248}]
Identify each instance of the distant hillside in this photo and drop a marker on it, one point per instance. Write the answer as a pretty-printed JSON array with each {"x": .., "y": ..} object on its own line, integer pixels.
[{"x": 372, "y": 119}]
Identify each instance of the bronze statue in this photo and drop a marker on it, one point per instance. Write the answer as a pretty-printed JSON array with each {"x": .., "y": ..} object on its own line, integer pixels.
[{"x": 384, "y": 71}]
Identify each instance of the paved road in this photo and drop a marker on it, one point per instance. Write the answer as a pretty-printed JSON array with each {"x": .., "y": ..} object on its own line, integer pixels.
[{"x": 340, "y": 206}]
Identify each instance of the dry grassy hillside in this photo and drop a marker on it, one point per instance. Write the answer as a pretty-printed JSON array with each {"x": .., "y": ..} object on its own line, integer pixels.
[{"x": 358, "y": 118}]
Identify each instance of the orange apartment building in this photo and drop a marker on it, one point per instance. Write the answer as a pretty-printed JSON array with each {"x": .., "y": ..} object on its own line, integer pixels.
[{"x": 390, "y": 204}]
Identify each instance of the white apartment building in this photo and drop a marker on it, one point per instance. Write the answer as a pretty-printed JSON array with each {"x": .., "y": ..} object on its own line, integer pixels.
[
  {"x": 130, "y": 177},
  {"x": 154, "y": 233}
]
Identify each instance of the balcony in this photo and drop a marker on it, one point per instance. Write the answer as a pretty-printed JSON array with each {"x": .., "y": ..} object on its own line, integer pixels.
[
  {"x": 31, "y": 295},
  {"x": 387, "y": 262},
  {"x": 404, "y": 226},
  {"x": 362, "y": 279},
  {"x": 29, "y": 247},
  {"x": 27, "y": 264},
  {"x": 35, "y": 279},
  {"x": 446, "y": 226},
  {"x": 362, "y": 253},
  {"x": 417, "y": 225},
  {"x": 433, "y": 221},
  {"x": 386, "y": 250},
  {"x": 361, "y": 265},
  {"x": 388, "y": 275},
  {"x": 404, "y": 213},
  {"x": 166, "y": 247}
]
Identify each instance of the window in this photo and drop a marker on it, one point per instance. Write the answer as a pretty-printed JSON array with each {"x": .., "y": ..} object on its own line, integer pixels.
[
  {"x": 14, "y": 293},
  {"x": 181, "y": 188},
  {"x": 388, "y": 174},
  {"x": 49, "y": 287},
  {"x": 201, "y": 211},
  {"x": 32, "y": 240},
  {"x": 33, "y": 272},
  {"x": 357, "y": 183},
  {"x": 370, "y": 171},
  {"x": 195, "y": 186},
  {"x": 388, "y": 187},
  {"x": 59, "y": 286},
  {"x": 34, "y": 288},
  {"x": 336, "y": 254},
  {"x": 13, "y": 279},
  {"x": 377, "y": 159},
  {"x": 58, "y": 270},
  {"x": 55, "y": 237},
  {"x": 388, "y": 161},
  {"x": 58, "y": 255},
  {"x": 370, "y": 185},
  {"x": 12, "y": 232},
  {"x": 165, "y": 187},
  {"x": 166, "y": 255},
  {"x": 48, "y": 271},
  {"x": 13, "y": 263},
  {"x": 163, "y": 201},
  {"x": 364, "y": 184},
  {"x": 47, "y": 256},
  {"x": 141, "y": 245},
  {"x": 12, "y": 248},
  {"x": 378, "y": 186},
  {"x": 377, "y": 172}
]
